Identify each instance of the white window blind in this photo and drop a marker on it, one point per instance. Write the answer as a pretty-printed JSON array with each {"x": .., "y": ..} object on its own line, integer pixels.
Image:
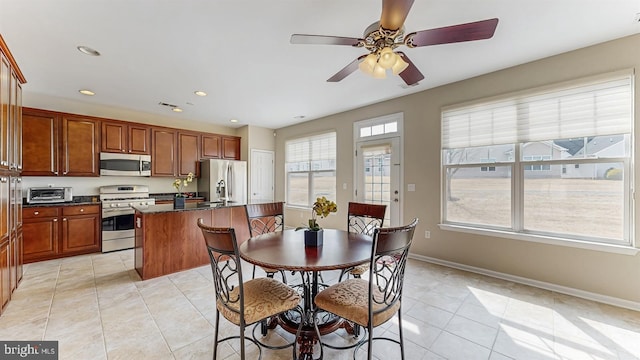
[
  {"x": 316, "y": 152},
  {"x": 602, "y": 107}
]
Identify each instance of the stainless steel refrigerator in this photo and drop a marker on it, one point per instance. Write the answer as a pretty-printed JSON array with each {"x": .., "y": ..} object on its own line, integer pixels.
[{"x": 223, "y": 180}]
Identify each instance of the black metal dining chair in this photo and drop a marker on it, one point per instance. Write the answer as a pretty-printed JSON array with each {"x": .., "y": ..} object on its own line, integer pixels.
[
  {"x": 371, "y": 303},
  {"x": 362, "y": 218},
  {"x": 266, "y": 218},
  {"x": 242, "y": 303}
]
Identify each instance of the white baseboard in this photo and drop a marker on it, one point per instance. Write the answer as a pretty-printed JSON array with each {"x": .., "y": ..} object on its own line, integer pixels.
[{"x": 610, "y": 300}]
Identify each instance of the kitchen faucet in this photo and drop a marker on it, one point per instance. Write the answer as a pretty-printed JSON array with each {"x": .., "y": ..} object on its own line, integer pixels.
[{"x": 221, "y": 189}]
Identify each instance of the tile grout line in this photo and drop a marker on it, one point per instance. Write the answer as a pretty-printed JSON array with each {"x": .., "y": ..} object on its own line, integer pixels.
[
  {"x": 95, "y": 286},
  {"x": 53, "y": 294}
]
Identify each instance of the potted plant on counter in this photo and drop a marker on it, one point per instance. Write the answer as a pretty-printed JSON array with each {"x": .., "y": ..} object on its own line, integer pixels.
[
  {"x": 313, "y": 232},
  {"x": 180, "y": 184}
]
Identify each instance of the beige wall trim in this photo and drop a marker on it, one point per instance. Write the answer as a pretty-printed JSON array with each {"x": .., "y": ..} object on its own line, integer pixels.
[{"x": 610, "y": 300}]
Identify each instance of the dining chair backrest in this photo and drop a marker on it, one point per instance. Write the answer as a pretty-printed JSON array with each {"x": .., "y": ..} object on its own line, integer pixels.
[
  {"x": 265, "y": 218},
  {"x": 222, "y": 248},
  {"x": 364, "y": 218},
  {"x": 387, "y": 266}
]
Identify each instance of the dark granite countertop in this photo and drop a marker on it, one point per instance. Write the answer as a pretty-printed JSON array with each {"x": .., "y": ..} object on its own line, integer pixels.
[
  {"x": 77, "y": 200},
  {"x": 170, "y": 196},
  {"x": 162, "y": 208}
]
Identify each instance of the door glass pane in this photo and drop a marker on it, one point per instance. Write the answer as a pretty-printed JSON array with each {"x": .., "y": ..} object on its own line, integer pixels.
[
  {"x": 479, "y": 195},
  {"x": 377, "y": 176}
]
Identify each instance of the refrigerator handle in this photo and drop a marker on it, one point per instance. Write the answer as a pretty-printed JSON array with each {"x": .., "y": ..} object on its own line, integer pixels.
[{"x": 230, "y": 182}]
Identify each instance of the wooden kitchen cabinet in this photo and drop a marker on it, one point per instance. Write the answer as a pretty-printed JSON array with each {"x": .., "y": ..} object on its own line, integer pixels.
[
  {"x": 5, "y": 98},
  {"x": 120, "y": 137},
  {"x": 80, "y": 146},
  {"x": 80, "y": 229},
  {"x": 58, "y": 144},
  {"x": 188, "y": 154},
  {"x": 216, "y": 146},
  {"x": 40, "y": 145},
  {"x": 11, "y": 163},
  {"x": 41, "y": 233},
  {"x": 231, "y": 147},
  {"x": 5, "y": 276},
  {"x": 57, "y": 231},
  {"x": 163, "y": 152},
  {"x": 211, "y": 146}
]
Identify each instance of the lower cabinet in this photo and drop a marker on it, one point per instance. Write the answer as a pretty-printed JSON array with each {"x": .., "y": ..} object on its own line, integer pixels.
[
  {"x": 53, "y": 232},
  {"x": 5, "y": 274}
]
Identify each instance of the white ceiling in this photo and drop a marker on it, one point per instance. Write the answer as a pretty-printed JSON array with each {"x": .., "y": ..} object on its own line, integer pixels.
[{"x": 238, "y": 51}]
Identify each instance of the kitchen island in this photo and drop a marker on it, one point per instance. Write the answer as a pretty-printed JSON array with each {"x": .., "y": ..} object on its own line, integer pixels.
[{"x": 168, "y": 240}]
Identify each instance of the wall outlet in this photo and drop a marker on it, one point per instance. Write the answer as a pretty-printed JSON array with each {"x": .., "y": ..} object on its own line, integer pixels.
[{"x": 427, "y": 234}]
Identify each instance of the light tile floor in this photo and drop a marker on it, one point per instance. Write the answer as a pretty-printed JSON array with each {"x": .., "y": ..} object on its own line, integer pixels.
[{"x": 97, "y": 307}]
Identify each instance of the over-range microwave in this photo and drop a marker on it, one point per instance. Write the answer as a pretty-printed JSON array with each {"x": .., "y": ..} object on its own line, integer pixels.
[{"x": 125, "y": 164}]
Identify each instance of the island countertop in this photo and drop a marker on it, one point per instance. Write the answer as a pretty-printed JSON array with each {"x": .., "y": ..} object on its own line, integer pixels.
[{"x": 161, "y": 208}]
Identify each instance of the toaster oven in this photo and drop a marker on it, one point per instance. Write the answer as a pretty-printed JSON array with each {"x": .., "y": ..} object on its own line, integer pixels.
[{"x": 49, "y": 195}]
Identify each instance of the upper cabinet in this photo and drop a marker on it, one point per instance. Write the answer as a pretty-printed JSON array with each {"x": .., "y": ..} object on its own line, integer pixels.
[
  {"x": 119, "y": 137},
  {"x": 56, "y": 144},
  {"x": 231, "y": 147},
  {"x": 188, "y": 145},
  {"x": 81, "y": 146},
  {"x": 40, "y": 145},
  {"x": 163, "y": 152},
  {"x": 220, "y": 147}
]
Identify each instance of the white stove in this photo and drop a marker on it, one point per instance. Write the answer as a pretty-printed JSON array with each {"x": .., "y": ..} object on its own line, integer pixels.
[{"x": 118, "y": 231}]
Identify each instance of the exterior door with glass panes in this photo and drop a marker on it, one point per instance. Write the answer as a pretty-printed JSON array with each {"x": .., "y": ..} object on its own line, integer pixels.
[{"x": 378, "y": 171}]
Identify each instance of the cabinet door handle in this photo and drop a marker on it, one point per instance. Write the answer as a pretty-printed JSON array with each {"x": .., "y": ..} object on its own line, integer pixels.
[
  {"x": 36, "y": 212},
  {"x": 55, "y": 220},
  {"x": 55, "y": 173},
  {"x": 64, "y": 219},
  {"x": 81, "y": 210}
]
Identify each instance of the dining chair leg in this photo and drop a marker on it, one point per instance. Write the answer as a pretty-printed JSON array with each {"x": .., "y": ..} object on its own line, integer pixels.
[
  {"x": 400, "y": 332},
  {"x": 242, "y": 341},
  {"x": 215, "y": 336}
]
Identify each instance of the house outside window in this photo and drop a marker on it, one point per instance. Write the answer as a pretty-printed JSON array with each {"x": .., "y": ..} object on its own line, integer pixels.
[
  {"x": 561, "y": 162},
  {"x": 310, "y": 167}
]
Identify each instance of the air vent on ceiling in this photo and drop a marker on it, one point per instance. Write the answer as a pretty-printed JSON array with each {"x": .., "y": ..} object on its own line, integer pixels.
[{"x": 169, "y": 105}]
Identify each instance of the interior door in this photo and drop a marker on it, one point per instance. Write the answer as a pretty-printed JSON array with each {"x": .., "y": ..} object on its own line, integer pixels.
[
  {"x": 378, "y": 170},
  {"x": 262, "y": 175}
]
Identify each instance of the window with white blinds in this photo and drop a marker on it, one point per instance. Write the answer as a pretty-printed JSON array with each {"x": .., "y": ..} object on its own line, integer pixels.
[
  {"x": 594, "y": 108},
  {"x": 310, "y": 166},
  {"x": 561, "y": 163}
]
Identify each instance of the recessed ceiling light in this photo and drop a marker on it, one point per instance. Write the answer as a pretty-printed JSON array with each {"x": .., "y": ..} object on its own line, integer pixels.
[
  {"x": 200, "y": 93},
  {"x": 176, "y": 109},
  {"x": 87, "y": 50},
  {"x": 234, "y": 120},
  {"x": 86, "y": 92}
]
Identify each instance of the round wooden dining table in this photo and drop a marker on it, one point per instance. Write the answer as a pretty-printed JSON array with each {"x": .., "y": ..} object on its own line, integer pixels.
[{"x": 286, "y": 250}]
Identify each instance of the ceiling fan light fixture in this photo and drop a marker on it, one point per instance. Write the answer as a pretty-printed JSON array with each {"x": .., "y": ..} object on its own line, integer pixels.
[
  {"x": 399, "y": 66},
  {"x": 387, "y": 58},
  {"x": 367, "y": 65},
  {"x": 379, "y": 72}
]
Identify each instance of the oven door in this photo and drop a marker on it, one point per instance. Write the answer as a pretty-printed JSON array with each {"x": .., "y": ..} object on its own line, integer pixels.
[{"x": 118, "y": 230}]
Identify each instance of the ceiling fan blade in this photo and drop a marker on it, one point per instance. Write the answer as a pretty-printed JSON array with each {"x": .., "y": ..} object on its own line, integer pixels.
[
  {"x": 411, "y": 75},
  {"x": 394, "y": 12},
  {"x": 324, "y": 40},
  {"x": 347, "y": 70},
  {"x": 478, "y": 30}
]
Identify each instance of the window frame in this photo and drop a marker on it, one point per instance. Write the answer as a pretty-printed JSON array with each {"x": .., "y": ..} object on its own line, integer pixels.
[
  {"x": 519, "y": 166},
  {"x": 310, "y": 171}
]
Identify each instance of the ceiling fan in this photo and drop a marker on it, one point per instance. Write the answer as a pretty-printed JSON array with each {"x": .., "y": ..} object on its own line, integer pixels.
[{"x": 382, "y": 37}]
